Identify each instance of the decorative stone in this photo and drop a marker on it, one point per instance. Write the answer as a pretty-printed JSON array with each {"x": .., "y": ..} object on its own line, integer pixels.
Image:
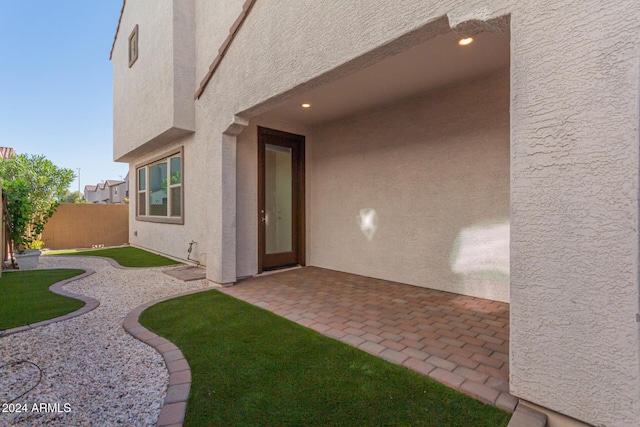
[{"x": 106, "y": 376}]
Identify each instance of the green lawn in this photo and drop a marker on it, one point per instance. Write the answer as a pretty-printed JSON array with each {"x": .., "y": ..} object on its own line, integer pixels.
[
  {"x": 126, "y": 256},
  {"x": 253, "y": 368},
  {"x": 25, "y": 297}
]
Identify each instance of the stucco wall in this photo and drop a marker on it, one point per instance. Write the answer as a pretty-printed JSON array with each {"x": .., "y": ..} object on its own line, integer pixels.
[
  {"x": 574, "y": 206},
  {"x": 425, "y": 170},
  {"x": 154, "y": 97},
  {"x": 574, "y": 167},
  {"x": 574, "y": 98},
  {"x": 324, "y": 41},
  {"x": 174, "y": 239},
  {"x": 213, "y": 19},
  {"x": 428, "y": 183},
  {"x": 572, "y": 243},
  {"x": 280, "y": 47}
]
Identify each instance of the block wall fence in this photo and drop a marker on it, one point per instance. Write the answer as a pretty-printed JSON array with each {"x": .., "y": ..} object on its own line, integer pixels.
[{"x": 86, "y": 225}]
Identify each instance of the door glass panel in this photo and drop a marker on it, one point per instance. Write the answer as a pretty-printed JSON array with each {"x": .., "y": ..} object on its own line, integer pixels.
[{"x": 278, "y": 199}]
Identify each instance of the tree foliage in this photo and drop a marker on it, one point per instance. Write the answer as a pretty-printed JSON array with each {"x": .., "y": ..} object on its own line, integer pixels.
[
  {"x": 32, "y": 185},
  {"x": 71, "y": 197},
  {"x": 175, "y": 179}
]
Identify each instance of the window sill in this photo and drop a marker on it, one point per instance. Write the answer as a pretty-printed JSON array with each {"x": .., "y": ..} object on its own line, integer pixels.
[{"x": 163, "y": 220}]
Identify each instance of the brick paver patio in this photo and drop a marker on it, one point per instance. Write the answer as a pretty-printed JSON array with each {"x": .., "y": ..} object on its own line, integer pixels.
[{"x": 460, "y": 341}]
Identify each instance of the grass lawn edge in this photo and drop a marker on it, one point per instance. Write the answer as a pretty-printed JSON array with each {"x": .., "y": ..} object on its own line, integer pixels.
[
  {"x": 56, "y": 288},
  {"x": 120, "y": 256},
  {"x": 187, "y": 352}
]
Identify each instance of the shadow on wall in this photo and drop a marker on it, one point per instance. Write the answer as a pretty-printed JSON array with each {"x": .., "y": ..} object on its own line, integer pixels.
[{"x": 480, "y": 255}]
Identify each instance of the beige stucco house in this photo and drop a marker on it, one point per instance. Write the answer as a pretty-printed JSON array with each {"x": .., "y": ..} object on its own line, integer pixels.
[
  {"x": 109, "y": 192},
  {"x": 505, "y": 169},
  {"x": 91, "y": 193}
]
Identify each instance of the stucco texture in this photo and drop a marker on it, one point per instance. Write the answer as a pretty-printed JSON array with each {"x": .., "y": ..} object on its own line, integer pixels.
[
  {"x": 174, "y": 239},
  {"x": 424, "y": 170},
  {"x": 213, "y": 18},
  {"x": 154, "y": 97},
  {"x": 574, "y": 209}
]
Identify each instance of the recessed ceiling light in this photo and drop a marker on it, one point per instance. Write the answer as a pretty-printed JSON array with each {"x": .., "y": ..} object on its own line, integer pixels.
[
  {"x": 306, "y": 105},
  {"x": 465, "y": 42}
]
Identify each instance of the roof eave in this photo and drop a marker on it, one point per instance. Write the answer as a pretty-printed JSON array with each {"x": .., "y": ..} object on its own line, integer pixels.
[{"x": 115, "y": 37}]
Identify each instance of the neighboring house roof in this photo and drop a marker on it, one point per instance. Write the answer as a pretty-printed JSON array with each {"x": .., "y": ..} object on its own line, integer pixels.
[
  {"x": 104, "y": 185},
  {"x": 115, "y": 37},
  {"x": 7, "y": 152}
]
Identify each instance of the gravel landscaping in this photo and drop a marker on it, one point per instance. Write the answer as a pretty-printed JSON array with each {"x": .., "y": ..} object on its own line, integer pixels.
[{"x": 93, "y": 372}]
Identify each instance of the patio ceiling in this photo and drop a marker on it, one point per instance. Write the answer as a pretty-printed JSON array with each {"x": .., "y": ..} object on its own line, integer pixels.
[{"x": 436, "y": 63}]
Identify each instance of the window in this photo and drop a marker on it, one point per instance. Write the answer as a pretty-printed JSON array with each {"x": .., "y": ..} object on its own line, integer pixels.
[
  {"x": 160, "y": 190},
  {"x": 133, "y": 46}
]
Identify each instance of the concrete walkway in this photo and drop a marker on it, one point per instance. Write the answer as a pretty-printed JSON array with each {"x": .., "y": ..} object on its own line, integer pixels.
[{"x": 460, "y": 341}]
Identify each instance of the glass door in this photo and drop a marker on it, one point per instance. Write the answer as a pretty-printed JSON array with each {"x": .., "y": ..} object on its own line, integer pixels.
[
  {"x": 278, "y": 220},
  {"x": 279, "y": 199}
]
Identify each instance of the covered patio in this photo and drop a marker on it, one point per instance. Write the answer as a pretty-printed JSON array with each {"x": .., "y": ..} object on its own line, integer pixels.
[{"x": 460, "y": 341}]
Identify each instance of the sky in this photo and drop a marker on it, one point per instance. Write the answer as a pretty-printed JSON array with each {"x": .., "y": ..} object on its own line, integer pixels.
[{"x": 56, "y": 92}]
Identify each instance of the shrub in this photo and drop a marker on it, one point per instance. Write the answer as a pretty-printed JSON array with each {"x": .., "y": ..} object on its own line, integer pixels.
[{"x": 31, "y": 184}]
